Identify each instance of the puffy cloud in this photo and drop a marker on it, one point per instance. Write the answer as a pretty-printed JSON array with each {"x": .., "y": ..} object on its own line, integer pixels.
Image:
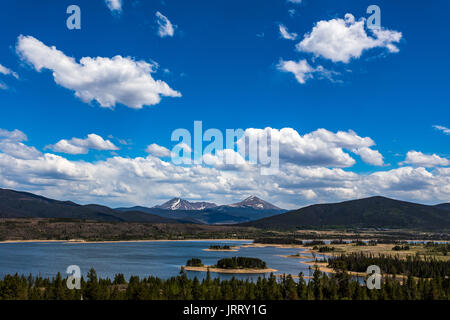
[
  {"x": 114, "y": 5},
  {"x": 11, "y": 144},
  {"x": 443, "y": 129},
  {"x": 340, "y": 40},
  {"x": 6, "y": 71},
  {"x": 82, "y": 146},
  {"x": 226, "y": 159},
  {"x": 158, "y": 151},
  {"x": 285, "y": 34},
  {"x": 106, "y": 80},
  {"x": 401, "y": 180},
  {"x": 303, "y": 71},
  {"x": 166, "y": 28},
  {"x": 307, "y": 175},
  {"x": 419, "y": 159},
  {"x": 373, "y": 157},
  {"x": 318, "y": 148}
]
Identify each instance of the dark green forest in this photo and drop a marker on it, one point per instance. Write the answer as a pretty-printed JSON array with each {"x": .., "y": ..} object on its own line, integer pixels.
[
  {"x": 241, "y": 263},
  {"x": 320, "y": 287},
  {"x": 423, "y": 267}
]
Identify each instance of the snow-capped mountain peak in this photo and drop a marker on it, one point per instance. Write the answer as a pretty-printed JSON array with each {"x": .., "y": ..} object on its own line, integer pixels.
[
  {"x": 255, "y": 203},
  {"x": 181, "y": 204}
]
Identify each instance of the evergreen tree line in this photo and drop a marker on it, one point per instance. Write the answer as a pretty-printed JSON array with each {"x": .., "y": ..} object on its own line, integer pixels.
[
  {"x": 320, "y": 287},
  {"x": 426, "y": 267}
]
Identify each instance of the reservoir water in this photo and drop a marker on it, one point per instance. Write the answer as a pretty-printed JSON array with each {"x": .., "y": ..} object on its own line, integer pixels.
[{"x": 162, "y": 259}]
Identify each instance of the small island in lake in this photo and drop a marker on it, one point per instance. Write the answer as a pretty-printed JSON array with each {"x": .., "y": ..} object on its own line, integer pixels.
[
  {"x": 230, "y": 265},
  {"x": 215, "y": 247}
]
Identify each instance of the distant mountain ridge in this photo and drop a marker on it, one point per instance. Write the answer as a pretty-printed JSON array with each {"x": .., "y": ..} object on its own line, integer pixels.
[
  {"x": 249, "y": 202},
  {"x": 16, "y": 204},
  {"x": 374, "y": 212},
  {"x": 251, "y": 208}
]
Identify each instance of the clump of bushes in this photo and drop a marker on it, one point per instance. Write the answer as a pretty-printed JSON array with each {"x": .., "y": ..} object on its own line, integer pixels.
[{"x": 400, "y": 248}]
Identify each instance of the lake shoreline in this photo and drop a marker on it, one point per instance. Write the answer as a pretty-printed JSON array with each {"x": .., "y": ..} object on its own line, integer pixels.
[{"x": 78, "y": 241}]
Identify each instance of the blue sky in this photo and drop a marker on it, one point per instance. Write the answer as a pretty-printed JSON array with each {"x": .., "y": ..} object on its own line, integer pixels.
[{"x": 222, "y": 63}]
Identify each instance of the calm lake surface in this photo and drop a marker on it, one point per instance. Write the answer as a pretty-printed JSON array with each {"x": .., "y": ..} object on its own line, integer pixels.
[{"x": 160, "y": 259}]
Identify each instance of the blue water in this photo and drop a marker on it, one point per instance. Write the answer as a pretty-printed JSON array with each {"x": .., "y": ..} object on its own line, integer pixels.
[{"x": 160, "y": 259}]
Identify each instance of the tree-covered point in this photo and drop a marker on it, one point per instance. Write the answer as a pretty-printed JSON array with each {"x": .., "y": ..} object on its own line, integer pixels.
[
  {"x": 320, "y": 287},
  {"x": 219, "y": 247},
  {"x": 241, "y": 263},
  {"x": 194, "y": 262},
  {"x": 413, "y": 265}
]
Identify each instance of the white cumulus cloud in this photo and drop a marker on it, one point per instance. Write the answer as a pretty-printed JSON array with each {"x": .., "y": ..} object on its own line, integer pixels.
[
  {"x": 341, "y": 40},
  {"x": 82, "y": 146},
  {"x": 158, "y": 151},
  {"x": 417, "y": 158},
  {"x": 303, "y": 71},
  {"x": 107, "y": 80},
  {"x": 11, "y": 144}
]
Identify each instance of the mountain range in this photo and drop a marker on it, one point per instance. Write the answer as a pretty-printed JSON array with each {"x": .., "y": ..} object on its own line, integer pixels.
[
  {"x": 251, "y": 208},
  {"x": 16, "y": 204},
  {"x": 373, "y": 212}
]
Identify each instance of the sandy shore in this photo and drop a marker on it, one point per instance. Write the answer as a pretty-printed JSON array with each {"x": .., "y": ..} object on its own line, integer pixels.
[
  {"x": 119, "y": 241},
  {"x": 219, "y": 270}
]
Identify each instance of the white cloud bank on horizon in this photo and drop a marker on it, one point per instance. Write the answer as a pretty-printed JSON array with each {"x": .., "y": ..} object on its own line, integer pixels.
[
  {"x": 311, "y": 171},
  {"x": 341, "y": 40},
  {"x": 82, "y": 146},
  {"x": 106, "y": 80}
]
